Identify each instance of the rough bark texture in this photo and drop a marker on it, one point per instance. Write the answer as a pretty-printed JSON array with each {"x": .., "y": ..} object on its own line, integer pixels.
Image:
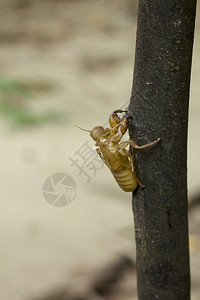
[{"x": 159, "y": 106}]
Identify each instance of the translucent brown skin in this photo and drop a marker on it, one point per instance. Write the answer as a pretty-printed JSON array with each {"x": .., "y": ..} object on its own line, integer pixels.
[
  {"x": 117, "y": 158},
  {"x": 113, "y": 153}
]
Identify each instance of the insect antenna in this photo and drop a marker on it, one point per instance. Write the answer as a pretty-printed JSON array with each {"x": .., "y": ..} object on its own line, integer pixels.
[{"x": 82, "y": 128}]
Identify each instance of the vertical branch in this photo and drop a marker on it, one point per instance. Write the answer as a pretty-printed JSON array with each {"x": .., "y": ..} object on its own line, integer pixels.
[{"x": 159, "y": 105}]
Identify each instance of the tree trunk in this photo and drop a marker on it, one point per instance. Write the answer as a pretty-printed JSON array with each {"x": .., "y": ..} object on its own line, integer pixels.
[{"x": 159, "y": 106}]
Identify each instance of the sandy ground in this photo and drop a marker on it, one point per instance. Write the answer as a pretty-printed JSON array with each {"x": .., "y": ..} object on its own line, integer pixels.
[{"x": 85, "y": 48}]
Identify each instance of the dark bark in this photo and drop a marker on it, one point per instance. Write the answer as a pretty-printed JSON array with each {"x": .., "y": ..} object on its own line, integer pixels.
[{"x": 159, "y": 106}]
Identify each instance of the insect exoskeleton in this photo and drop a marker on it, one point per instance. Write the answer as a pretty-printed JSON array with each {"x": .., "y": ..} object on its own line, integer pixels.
[
  {"x": 126, "y": 180},
  {"x": 114, "y": 153}
]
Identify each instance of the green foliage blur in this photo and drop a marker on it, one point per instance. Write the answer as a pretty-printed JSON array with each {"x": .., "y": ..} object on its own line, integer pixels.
[{"x": 14, "y": 100}]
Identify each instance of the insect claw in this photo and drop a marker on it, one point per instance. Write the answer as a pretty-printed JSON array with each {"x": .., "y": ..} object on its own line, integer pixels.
[
  {"x": 119, "y": 111},
  {"x": 128, "y": 119},
  {"x": 141, "y": 187}
]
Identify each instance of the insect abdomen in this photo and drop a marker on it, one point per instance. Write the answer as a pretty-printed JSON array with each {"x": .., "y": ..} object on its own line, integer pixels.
[{"x": 125, "y": 179}]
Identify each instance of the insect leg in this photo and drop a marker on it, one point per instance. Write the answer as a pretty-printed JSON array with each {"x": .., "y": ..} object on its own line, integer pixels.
[
  {"x": 115, "y": 128},
  {"x": 123, "y": 145},
  {"x": 134, "y": 145},
  {"x": 105, "y": 161}
]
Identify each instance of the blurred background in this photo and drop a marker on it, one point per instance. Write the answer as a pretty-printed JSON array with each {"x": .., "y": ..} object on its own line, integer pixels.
[{"x": 67, "y": 62}]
